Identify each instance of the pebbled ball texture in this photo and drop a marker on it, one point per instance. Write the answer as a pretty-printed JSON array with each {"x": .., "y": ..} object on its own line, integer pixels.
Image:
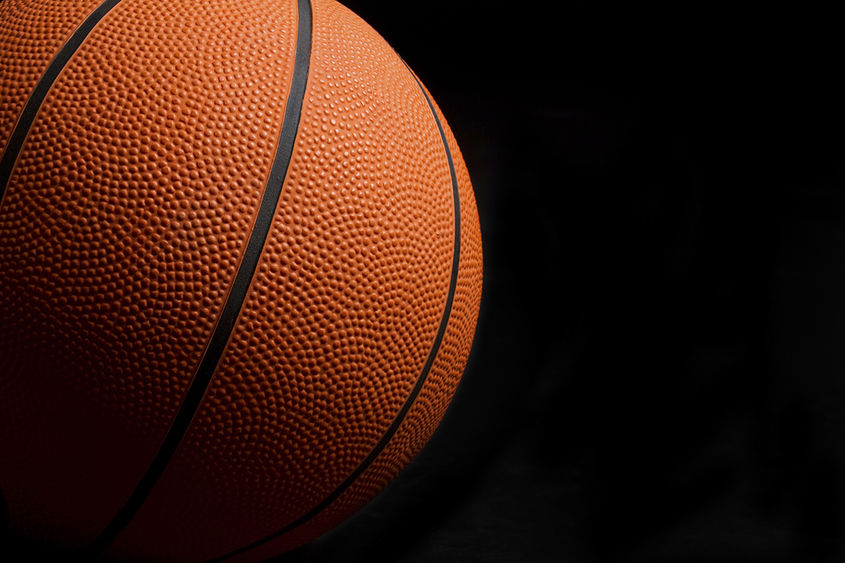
[
  {"x": 31, "y": 34},
  {"x": 122, "y": 227},
  {"x": 121, "y": 230}
]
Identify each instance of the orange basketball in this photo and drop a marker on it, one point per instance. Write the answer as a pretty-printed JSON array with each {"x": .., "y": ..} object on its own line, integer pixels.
[{"x": 240, "y": 272}]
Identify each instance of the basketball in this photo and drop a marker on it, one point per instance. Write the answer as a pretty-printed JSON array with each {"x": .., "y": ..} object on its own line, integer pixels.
[{"x": 240, "y": 273}]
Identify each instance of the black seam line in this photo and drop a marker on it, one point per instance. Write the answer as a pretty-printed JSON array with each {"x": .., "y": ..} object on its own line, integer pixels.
[
  {"x": 39, "y": 93},
  {"x": 441, "y": 331},
  {"x": 231, "y": 309}
]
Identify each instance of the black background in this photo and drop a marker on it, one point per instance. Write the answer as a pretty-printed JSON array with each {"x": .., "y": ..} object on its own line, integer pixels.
[{"x": 658, "y": 369}]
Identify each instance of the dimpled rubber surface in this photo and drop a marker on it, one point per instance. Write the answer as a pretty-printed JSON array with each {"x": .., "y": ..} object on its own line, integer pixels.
[
  {"x": 121, "y": 230},
  {"x": 339, "y": 321},
  {"x": 30, "y": 35},
  {"x": 431, "y": 403}
]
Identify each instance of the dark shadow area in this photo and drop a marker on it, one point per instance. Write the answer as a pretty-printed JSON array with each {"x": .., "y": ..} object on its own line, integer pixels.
[{"x": 4, "y": 518}]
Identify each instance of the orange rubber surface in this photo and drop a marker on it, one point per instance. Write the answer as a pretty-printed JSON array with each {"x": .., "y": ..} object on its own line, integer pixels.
[
  {"x": 122, "y": 228},
  {"x": 30, "y": 35},
  {"x": 120, "y": 232},
  {"x": 424, "y": 416}
]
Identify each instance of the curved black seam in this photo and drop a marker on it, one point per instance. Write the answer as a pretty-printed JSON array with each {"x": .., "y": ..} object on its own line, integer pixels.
[
  {"x": 441, "y": 331},
  {"x": 237, "y": 294},
  {"x": 39, "y": 93}
]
